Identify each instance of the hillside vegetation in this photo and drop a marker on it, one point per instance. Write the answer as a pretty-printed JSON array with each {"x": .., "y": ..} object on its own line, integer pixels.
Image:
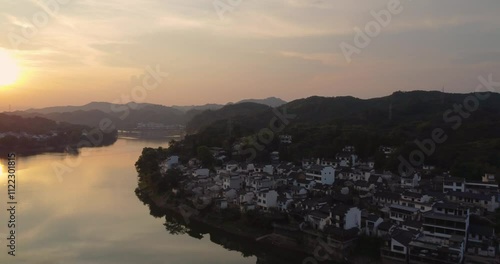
[{"x": 323, "y": 125}]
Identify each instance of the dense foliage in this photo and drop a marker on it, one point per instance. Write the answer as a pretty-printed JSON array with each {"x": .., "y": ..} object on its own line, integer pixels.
[
  {"x": 35, "y": 135},
  {"x": 322, "y": 126}
]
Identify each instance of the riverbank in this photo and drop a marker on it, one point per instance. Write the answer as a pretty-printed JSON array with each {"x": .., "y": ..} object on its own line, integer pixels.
[{"x": 261, "y": 240}]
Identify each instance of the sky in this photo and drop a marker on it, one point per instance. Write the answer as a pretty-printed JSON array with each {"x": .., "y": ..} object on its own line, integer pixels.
[{"x": 72, "y": 52}]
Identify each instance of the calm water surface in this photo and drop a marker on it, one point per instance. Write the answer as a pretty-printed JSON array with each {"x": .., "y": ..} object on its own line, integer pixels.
[{"x": 89, "y": 213}]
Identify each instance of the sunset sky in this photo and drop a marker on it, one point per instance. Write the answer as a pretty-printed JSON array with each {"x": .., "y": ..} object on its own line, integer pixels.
[{"x": 89, "y": 50}]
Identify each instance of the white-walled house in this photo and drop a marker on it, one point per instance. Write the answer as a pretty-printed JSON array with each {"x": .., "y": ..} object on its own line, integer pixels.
[
  {"x": 488, "y": 202},
  {"x": 345, "y": 216},
  {"x": 231, "y": 195},
  {"x": 269, "y": 169},
  {"x": 386, "y": 198},
  {"x": 201, "y": 173},
  {"x": 400, "y": 240},
  {"x": 401, "y": 213},
  {"x": 349, "y": 157},
  {"x": 321, "y": 174},
  {"x": 284, "y": 201},
  {"x": 410, "y": 181},
  {"x": 247, "y": 197},
  {"x": 231, "y": 181},
  {"x": 259, "y": 182},
  {"x": 446, "y": 220},
  {"x": 327, "y": 162},
  {"x": 318, "y": 219},
  {"x": 371, "y": 223},
  {"x": 221, "y": 203},
  {"x": 356, "y": 176},
  {"x": 267, "y": 199},
  {"x": 453, "y": 184},
  {"x": 308, "y": 184},
  {"x": 420, "y": 201}
]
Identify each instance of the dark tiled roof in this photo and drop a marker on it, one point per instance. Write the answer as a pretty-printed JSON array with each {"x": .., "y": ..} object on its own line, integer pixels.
[
  {"x": 311, "y": 202},
  {"x": 340, "y": 209},
  {"x": 385, "y": 226},
  {"x": 373, "y": 217},
  {"x": 303, "y": 181},
  {"x": 403, "y": 209},
  {"x": 403, "y": 237},
  {"x": 412, "y": 223},
  {"x": 373, "y": 179},
  {"x": 318, "y": 214},
  {"x": 446, "y": 217},
  {"x": 362, "y": 183},
  {"x": 437, "y": 195},
  {"x": 317, "y": 167},
  {"x": 469, "y": 195},
  {"x": 345, "y": 198},
  {"x": 388, "y": 195},
  {"x": 449, "y": 205},
  {"x": 412, "y": 194}
]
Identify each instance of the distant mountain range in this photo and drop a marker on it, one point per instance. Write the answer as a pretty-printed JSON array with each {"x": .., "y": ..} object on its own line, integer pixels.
[
  {"x": 127, "y": 116},
  {"x": 270, "y": 101},
  {"x": 321, "y": 126}
]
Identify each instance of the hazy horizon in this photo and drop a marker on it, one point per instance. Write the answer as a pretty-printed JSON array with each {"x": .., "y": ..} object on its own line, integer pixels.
[
  {"x": 224, "y": 103},
  {"x": 89, "y": 50}
]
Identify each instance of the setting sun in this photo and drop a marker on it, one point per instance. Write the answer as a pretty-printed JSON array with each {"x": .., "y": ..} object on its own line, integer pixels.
[{"x": 9, "y": 70}]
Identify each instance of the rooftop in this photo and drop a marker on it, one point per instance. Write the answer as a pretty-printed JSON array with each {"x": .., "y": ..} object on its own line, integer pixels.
[
  {"x": 455, "y": 218},
  {"x": 398, "y": 207}
]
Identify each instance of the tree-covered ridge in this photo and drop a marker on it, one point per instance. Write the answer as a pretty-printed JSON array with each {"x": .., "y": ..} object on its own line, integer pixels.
[
  {"x": 36, "y": 135},
  {"x": 323, "y": 125},
  {"x": 207, "y": 117}
]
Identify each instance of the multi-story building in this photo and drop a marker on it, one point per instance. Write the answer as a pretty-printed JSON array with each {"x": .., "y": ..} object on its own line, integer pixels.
[
  {"x": 267, "y": 199},
  {"x": 488, "y": 202},
  {"x": 232, "y": 181},
  {"x": 401, "y": 213},
  {"x": 425, "y": 250},
  {"x": 345, "y": 216},
  {"x": 453, "y": 184},
  {"x": 446, "y": 220},
  {"x": 321, "y": 174}
]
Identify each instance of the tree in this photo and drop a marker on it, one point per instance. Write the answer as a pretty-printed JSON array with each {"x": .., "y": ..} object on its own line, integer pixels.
[{"x": 205, "y": 156}]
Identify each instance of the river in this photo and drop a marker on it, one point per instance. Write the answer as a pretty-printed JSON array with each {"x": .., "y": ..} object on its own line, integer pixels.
[{"x": 83, "y": 209}]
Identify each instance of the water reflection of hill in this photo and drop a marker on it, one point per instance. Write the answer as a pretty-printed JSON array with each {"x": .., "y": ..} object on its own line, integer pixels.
[{"x": 176, "y": 225}]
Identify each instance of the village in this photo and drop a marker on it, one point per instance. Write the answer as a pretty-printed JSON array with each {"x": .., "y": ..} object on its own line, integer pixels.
[{"x": 419, "y": 218}]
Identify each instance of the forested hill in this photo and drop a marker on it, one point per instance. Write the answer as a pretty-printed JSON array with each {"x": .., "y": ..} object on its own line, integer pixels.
[
  {"x": 36, "y": 135},
  {"x": 322, "y": 125},
  {"x": 245, "y": 111}
]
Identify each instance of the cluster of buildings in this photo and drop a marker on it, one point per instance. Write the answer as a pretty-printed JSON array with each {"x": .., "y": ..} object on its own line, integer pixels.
[
  {"x": 153, "y": 125},
  {"x": 419, "y": 218},
  {"x": 38, "y": 137}
]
